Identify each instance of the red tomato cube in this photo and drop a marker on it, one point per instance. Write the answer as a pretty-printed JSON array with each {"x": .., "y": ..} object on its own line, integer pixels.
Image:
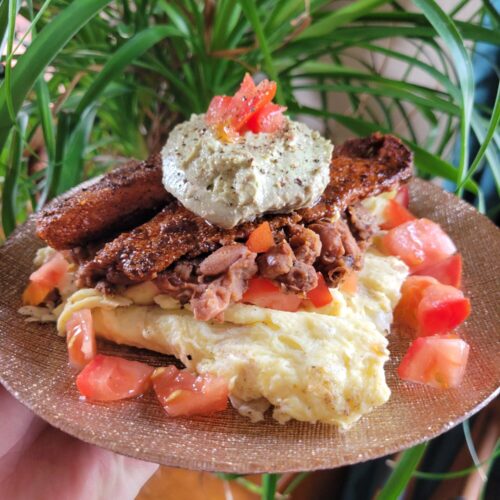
[
  {"x": 394, "y": 215},
  {"x": 418, "y": 243},
  {"x": 268, "y": 120},
  {"x": 110, "y": 378},
  {"x": 403, "y": 196},
  {"x": 263, "y": 292},
  {"x": 438, "y": 361},
  {"x": 441, "y": 309},
  {"x": 412, "y": 292},
  {"x": 447, "y": 271},
  {"x": 261, "y": 238},
  {"x": 51, "y": 273},
  {"x": 183, "y": 394},
  {"x": 320, "y": 296},
  {"x": 80, "y": 338}
]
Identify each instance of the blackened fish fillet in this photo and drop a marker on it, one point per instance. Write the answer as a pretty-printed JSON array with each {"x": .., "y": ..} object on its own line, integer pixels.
[{"x": 120, "y": 200}]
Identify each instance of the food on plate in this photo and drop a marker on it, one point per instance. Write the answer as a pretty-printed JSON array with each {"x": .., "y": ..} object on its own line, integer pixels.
[
  {"x": 429, "y": 307},
  {"x": 438, "y": 361},
  {"x": 245, "y": 250},
  {"x": 122, "y": 199},
  {"x": 110, "y": 378}
]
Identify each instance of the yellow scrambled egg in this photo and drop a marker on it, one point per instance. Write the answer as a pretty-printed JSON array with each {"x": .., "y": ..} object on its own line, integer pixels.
[{"x": 317, "y": 365}]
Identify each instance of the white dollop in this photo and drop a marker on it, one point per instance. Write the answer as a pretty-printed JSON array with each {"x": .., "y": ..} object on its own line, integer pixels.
[{"x": 229, "y": 183}]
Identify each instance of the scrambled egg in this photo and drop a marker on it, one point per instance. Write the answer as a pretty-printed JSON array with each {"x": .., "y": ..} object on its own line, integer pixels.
[{"x": 316, "y": 365}]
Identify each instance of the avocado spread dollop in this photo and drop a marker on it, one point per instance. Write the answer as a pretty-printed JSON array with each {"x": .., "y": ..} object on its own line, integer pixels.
[{"x": 230, "y": 183}]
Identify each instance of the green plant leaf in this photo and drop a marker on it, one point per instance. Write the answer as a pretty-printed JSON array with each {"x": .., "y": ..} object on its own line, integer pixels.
[
  {"x": 485, "y": 139},
  {"x": 402, "y": 473},
  {"x": 269, "y": 483},
  {"x": 40, "y": 53},
  {"x": 72, "y": 165},
  {"x": 125, "y": 55},
  {"x": 12, "y": 175},
  {"x": 43, "y": 101},
  {"x": 252, "y": 14},
  {"x": 4, "y": 21},
  {"x": 447, "y": 30},
  {"x": 340, "y": 17}
]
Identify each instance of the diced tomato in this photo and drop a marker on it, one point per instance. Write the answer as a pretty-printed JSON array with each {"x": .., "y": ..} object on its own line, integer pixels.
[
  {"x": 80, "y": 338},
  {"x": 229, "y": 115},
  {"x": 441, "y": 309},
  {"x": 429, "y": 307},
  {"x": 110, "y": 378},
  {"x": 412, "y": 292},
  {"x": 320, "y": 296},
  {"x": 394, "y": 215},
  {"x": 438, "y": 361},
  {"x": 261, "y": 238},
  {"x": 51, "y": 273},
  {"x": 269, "y": 119},
  {"x": 403, "y": 196},
  {"x": 350, "y": 283},
  {"x": 447, "y": 271},
  {"x": 264, "y": 293},
  {"x": 35, "y": 293},
  {"x": 418, "y": 243},
  {"x": 182, "y": 394}
]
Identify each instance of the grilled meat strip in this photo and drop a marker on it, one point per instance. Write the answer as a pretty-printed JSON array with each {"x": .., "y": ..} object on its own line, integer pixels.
[
  {"x": 361, "y": 168},
  {"x": 382, "y": 163},
  {"x": 173, "y": 233},
  {"x": 120, "y": 200}
]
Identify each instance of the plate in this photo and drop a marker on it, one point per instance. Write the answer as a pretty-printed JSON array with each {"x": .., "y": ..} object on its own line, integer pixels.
[{"x": 34, "y": 368}]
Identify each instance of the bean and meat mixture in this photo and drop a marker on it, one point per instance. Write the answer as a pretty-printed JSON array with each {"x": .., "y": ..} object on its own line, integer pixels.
[{"x": 195, "y": 261}]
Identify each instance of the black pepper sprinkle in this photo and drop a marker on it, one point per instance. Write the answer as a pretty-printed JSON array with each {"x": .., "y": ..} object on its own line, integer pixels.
[
  {"x": 189, "y": 357},
  {"x": 298, "y": 181}
]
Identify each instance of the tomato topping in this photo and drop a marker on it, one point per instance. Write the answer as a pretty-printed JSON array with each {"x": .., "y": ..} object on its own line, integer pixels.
[
  {"x": 447, "y": 271},
  {"x": 80, "y": 338},
  {"x": 109, "y": 378},
  {"x": 35, "y": 293},
  {"x": 418, "y": 243},
  {"x": 51, "y": 273},
  {"x": 230, "y": 116},
  {"x": 350, "y": 283},
  {"x": 438, "y": 361},
  {"x": 183, "y": 394},
  {"x": 320, "y": 296},
  {"x": 441, "y": 309},
  {"x": 261, "y": 238},
  {"x": 268, "y": 120},
  {"x": 412, "y": 292},
  {"x": 403, "y": 196},
  {"x": 394, "y": 215},
  {"x": 264, "y": 293},
  {"x": 430, "y": 307}
]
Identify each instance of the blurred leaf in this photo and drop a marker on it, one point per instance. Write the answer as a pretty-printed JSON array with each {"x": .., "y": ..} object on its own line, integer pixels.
[
  {"x": 269, "y": 483},
  {"x": 402, "y": 473},
  {"x": 43, "y": 101},
  {"x": 11, "y": 182},
  {"x": 339, "y": 17},
  {"x": 4, "y": 21},
  {"x": 72, "y": 164},
  {"x": 41, "y": 52},
  {"x": 447, "y": 30},
  {"x": 252, "y": 14},
  {"x": 124, "y": 56}
]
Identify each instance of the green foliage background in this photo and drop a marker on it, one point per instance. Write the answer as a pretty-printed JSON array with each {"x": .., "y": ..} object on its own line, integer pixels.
[{"x": 101, "y": 81}]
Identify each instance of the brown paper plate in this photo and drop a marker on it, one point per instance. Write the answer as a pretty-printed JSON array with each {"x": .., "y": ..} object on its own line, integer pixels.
[{"x": 33, "y": 367}]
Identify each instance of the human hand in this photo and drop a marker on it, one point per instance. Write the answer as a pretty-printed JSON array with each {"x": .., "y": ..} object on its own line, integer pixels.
[{"x": 39, "y": 461}]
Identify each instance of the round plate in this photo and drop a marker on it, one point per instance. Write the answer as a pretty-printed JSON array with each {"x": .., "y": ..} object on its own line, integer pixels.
[{"x": 34, "y": 368}]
